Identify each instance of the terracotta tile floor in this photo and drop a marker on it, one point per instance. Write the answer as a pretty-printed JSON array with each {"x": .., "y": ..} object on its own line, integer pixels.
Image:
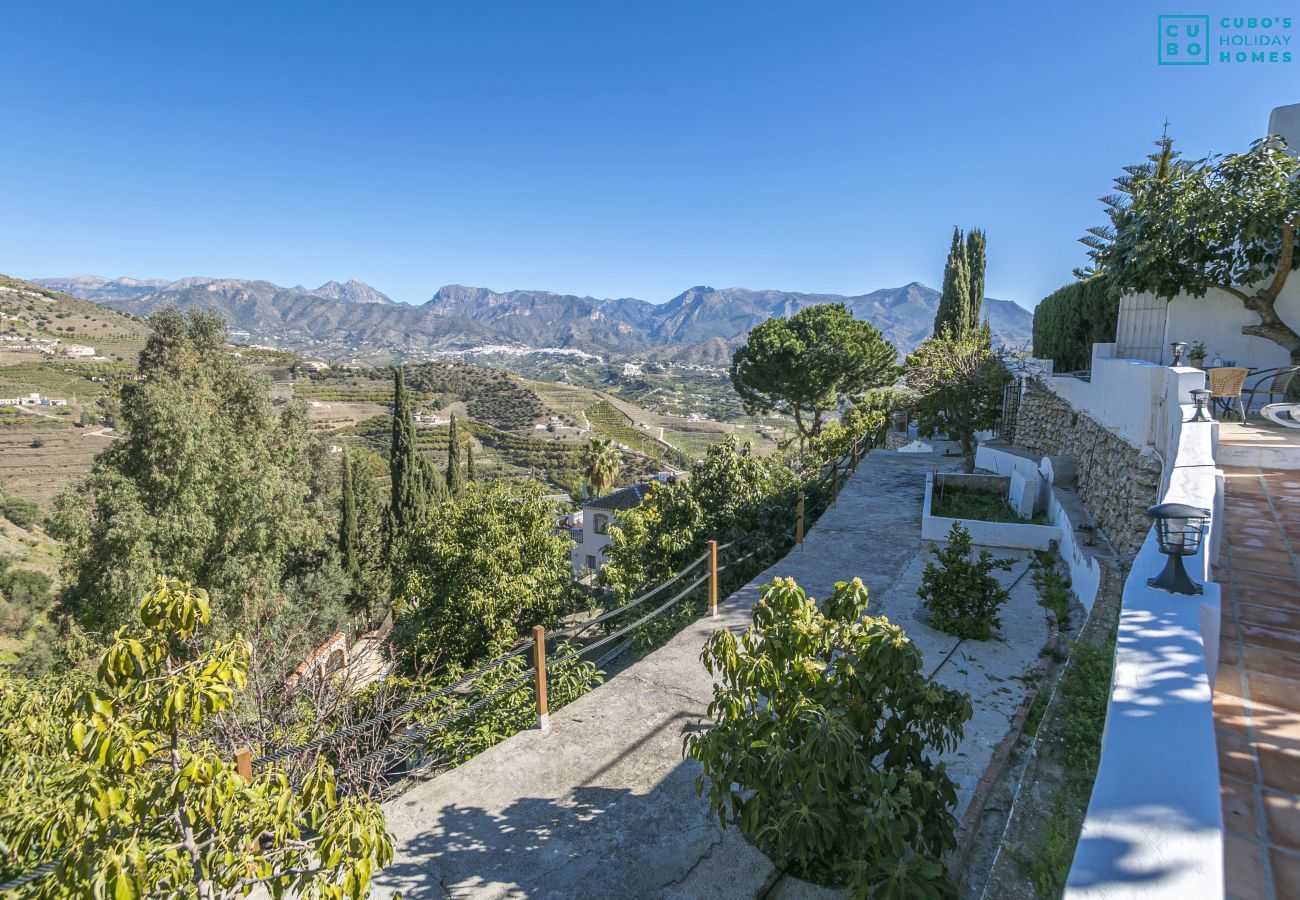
[{"x": 1257, "y": 692}]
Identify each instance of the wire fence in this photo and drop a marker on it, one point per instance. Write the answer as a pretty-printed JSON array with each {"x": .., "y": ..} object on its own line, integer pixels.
[{"x": 376, "y": 765}]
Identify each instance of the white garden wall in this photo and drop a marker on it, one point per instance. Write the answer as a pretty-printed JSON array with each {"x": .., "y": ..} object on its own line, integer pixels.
[{"x": 1154, "y": 826}]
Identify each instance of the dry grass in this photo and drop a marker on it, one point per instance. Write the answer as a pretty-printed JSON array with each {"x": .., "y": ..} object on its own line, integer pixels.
[{"x": 39, "y": 473}]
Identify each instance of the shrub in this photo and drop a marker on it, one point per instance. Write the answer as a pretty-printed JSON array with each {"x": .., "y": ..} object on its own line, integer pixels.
[
  {"x": 958, "y": 590},
  {"x": 822, "y": 748},
  {"x": 1069, "y": 321},
  {"x": 23, "y": 513}
]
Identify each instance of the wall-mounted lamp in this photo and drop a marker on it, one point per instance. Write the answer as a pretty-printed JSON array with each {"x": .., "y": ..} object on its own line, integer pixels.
[
  {"x": 1178, "y": 348},
  {"x": 1178, "y": 533},
  {"x": 1201, "y": 396}
]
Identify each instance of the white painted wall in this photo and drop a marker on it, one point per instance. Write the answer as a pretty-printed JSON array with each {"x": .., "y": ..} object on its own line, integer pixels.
[
  {"x": 1154, "y": 827},
  {"x": 1124, "y": 394}
]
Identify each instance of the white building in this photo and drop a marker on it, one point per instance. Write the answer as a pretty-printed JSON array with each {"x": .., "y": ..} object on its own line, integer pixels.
[
  {"x": 78, "y": 350},
  {"x": 589, "y": 527}
]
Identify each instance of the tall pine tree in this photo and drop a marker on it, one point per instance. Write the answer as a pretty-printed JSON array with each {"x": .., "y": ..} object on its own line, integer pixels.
[
  {"x": 455, "y": 479},
  {"x": 348, "y": 520},
  {"x": 954, "y": 300},
  {"x": 469, "y": 461},
  {"x": 975, "y": 266},
  {"x": 410, "y": 484}
]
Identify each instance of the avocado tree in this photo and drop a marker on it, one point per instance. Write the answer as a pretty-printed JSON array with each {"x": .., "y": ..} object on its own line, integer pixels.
[
  {"x": 825, "y": 732},
  {"x": 1224, "y": 223},
  {"x": 117, "y": 786},
  {"x": 809, "y": 364}
]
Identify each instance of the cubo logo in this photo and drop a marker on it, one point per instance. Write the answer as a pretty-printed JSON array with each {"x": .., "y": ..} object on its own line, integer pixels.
[{"x": 1184, "y": 40}]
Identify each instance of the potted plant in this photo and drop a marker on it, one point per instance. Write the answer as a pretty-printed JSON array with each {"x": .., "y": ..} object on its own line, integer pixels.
[{"x": 1196, "y": 355}]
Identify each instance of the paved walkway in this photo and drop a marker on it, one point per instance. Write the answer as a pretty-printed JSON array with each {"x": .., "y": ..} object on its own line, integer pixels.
[
  {"x": 1257, "y": 692},
  {"x": 604, "y": 805}
]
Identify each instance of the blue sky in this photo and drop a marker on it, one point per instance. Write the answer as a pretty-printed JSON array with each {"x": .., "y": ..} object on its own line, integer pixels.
[{"x": 612, "y": 149}]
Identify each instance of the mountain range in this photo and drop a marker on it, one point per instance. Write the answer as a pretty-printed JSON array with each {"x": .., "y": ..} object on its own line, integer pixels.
[{"x": 700, "y": 325}]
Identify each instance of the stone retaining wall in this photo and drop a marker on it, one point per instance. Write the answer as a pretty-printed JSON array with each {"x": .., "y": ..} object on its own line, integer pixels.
[{"x": 1117, "y": 480}]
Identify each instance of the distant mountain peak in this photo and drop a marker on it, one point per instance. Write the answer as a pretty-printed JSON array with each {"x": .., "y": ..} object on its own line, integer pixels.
[{"x": 351, "y": 290}]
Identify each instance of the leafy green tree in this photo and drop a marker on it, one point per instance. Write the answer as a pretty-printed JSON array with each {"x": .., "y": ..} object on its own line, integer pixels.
[
  {"x": 958, "y": 382},
  {"x": 730, "y": 495},
  {"x": 479, "y": 574},
  {"x": 455, "y": 477},
  {"x": 211, "y": 482},
  {"x": 825, "y": 732},
  {"x": 1224, "y": 223},
  {"x": 959, "y": 591},
  {"x": 601, "y": 462},
  {"x": 810, "y": 363},
  {"x": 117, "y": 783}
]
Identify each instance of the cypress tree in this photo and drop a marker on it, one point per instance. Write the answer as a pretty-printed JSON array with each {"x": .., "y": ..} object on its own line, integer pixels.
[
  {"x": 455, "y": 480},
  {"x": 410, "y": 481},
  {"x": 348, "y": 538},
  {"x": 975, "y": 244},
  {"x": 954, "y": 300},
  {"x": 469, "y": 461}
]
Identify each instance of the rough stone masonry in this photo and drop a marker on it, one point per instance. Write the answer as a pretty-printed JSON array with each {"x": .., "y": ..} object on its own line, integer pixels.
[{"x": 1118, "y": 481}]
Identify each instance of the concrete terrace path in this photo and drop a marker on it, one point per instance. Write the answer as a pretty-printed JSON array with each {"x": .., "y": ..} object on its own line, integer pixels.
[{"x": 603, "y": 804}]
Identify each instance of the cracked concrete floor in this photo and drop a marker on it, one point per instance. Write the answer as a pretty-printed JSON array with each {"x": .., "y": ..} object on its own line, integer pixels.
[{"x": 603, "y": 804}]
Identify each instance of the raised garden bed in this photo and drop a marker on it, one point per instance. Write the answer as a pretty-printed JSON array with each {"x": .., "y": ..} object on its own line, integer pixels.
[{"x": 979, "y": 503}]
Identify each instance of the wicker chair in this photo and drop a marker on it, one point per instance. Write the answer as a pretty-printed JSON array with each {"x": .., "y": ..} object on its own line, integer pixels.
[
  {"x": 1269, "y": 383},
  {"x": 1225, "y": 386}
]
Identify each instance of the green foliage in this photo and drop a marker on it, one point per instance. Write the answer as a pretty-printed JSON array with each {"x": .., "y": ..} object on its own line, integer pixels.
[
  {"x": 959, "y": 591},
  {"x": 1224, "y": 222},
  {"x": 601, "y": 463},
  {"x": 23, "y": 513},
  {"x": 455, "y": 476},
  {"x": 810, "y": 363},
  {"x": 823, "y": 743},
  {"x": 24, "y": 597},
  {"x": 1068, "y": 321},
  {"x": 212, "y": 482},
  {"x": 489, "y": 395},
  {"x": 411, "y": 479},
  {"x": 730, "y": 495},
  {"x": 955, "y": 502},
  {"x": 958, "y": 382},
  {"x": 962, "y": 294},
  {"x": 1083, "y": 693},
  {"x": 117, "y": 782},
  {"x": 478, "y": 575},
  {"x": 1053, "y": 588}
]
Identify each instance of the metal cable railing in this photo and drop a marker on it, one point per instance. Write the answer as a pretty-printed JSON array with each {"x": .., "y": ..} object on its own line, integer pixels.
[{"x": 415, "y": 736}]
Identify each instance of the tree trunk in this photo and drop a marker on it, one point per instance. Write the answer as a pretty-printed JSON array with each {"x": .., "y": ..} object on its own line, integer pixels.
[{"x": 1263, "y": 302}]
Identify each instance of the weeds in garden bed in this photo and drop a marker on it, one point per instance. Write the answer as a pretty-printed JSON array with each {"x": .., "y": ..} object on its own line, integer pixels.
[{"x": 953, "y": 502}]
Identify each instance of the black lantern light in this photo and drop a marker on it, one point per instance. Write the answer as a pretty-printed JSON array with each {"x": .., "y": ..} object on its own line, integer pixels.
[
  {"x": 1200, "y": 396},
  {"x": 1178, "y": 348},
  {"x": 1178, "y": 532}
]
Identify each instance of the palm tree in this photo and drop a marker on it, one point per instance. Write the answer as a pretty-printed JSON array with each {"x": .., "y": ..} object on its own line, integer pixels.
[{"x": 601, "y": 463}]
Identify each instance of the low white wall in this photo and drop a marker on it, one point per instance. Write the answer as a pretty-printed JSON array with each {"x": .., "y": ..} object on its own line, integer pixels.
[
  {"x": 1123, "y": 394},
  {"x": 1013, "y": 535},
  {"x": 1154, "y": 827},
  {"x": 1083, "y": 565}
]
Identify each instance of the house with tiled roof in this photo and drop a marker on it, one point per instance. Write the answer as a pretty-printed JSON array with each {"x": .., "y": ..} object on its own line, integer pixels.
[{"x": 589, "y": 526}]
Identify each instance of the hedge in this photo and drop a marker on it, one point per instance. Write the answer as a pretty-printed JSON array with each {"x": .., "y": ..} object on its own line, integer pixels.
[{"x": 1069, "y": 321}]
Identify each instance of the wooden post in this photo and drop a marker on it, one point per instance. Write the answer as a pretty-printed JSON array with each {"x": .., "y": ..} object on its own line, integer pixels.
[
  {"x": 835, "y": 481},
  {"x": 856, "y": 455},
  {"x": 244, "y": 763},
  {"x": 798, "y": 527},
  {"x": 713, "y": 579},
  {"x": 539, "y": 663}
]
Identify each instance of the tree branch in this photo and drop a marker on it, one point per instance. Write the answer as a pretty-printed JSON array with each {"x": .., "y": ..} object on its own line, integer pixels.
[{"x": 1284, "y": 262}]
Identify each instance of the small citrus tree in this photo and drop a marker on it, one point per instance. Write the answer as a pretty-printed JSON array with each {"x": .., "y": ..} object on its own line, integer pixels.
[
  {"x": 959, "y": 591},
  {"x": 119, "y": 786},
  {"x": 822, "y": 748}
]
